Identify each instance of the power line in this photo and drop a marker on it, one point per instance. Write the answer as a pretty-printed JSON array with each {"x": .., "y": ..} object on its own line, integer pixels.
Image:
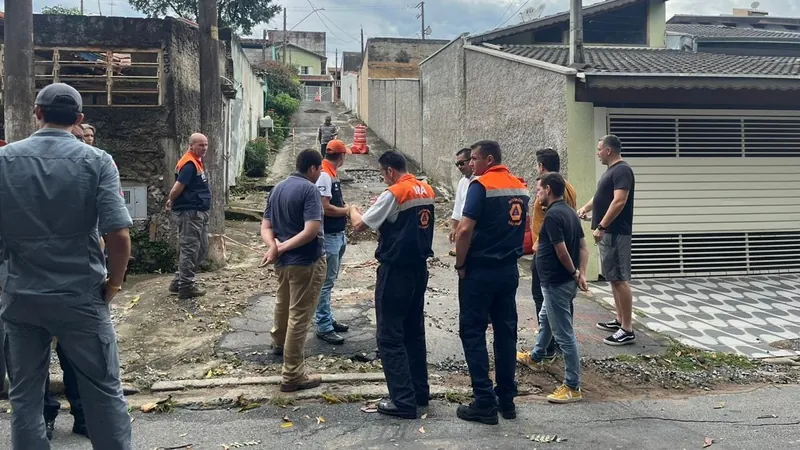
[
  {"x": 515, "y": 13},
  {"x": 510, "y": 4},
  {"x": 321, "y": 19},
  {"x": 337, "y": 26}
]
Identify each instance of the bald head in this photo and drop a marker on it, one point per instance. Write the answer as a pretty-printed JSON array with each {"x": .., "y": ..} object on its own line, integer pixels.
[{"x": 198, "y": 144}]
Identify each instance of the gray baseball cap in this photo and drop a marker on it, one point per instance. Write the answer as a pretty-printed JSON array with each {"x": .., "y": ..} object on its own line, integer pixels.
[{"x": 60, "y": 94}]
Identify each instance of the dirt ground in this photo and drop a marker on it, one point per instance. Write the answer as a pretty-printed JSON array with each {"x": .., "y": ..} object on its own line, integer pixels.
[{"x": 162, "y": 338}]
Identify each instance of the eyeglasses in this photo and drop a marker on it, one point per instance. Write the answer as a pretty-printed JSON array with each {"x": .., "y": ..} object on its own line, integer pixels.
[{"x": 461, "y": 163}]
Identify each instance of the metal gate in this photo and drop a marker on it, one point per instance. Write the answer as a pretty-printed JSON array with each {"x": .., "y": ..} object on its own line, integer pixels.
[{"x": 318, "y": 94}]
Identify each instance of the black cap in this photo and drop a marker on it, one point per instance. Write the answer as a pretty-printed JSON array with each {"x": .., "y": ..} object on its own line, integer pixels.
[{"x": 60, "y": 94}]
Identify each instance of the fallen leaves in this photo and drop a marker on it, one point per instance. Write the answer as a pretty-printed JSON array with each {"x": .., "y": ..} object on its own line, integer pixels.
[
  {"x": 161, "y": 406},
  {"x": 332, "y": 399},
  {"x": 369, "y": 408},
  {"x": 320, "y": 420},
  {"x": 719, "y": 405},
  {"x": 245, "y": 404},
  {"x": 546, "y": 438},
  {"x": 424, "y": 416},
  {"x": 287, "y": 422},
  {"x": 708, "y": 442},
  {"x": 134, "y": 301},
  {"x": 421, "y": 430},
  {"x": 239, "y": 444},
  {"x": 177, "y": 447}
]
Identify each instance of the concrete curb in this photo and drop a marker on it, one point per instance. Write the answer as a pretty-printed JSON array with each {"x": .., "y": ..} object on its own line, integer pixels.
[{"x": 180, "y": 385}]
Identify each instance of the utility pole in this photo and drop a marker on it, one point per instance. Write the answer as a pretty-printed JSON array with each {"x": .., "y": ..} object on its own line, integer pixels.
[
  {"x": 336, "y": 73},
  {"x": 362, "y": 44},
  {"x": 211, "y": 126},
  {"x": 576, "y": 56},
  {"x": 285, "y": 36},
  {"x": 264, "y": 46},
  {"x": 81, "y": 7},
  {"x": 19, "y": 90},
  {"x": 421, "y": 6}
]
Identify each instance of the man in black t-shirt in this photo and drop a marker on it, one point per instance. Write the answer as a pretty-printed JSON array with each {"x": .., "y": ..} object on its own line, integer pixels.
[
  {"x": 612, "y": 223},
  {"x": 561, "y": 258}
]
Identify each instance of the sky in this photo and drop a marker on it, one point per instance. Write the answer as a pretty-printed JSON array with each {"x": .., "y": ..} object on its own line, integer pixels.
[{"x": 342, "y": 20}]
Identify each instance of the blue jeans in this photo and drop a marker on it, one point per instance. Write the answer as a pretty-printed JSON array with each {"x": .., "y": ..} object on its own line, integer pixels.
[
  {"x": 556, "y": 323},
  {"x": 335, "y": 245}
]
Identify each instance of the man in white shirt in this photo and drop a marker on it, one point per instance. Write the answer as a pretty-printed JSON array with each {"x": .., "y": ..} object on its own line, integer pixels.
[{"x": 462, "y": 163}]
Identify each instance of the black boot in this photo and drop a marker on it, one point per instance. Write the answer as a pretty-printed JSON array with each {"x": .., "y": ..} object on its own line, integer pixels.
[
  {"x": 192, "y": 291},
  {"x": 472, "y": 413},
  {"x": 390, "y": 409}
]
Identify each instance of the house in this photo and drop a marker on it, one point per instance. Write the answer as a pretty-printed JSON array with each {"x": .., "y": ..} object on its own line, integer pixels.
[
  {"x": 141, "y": 89},
  {"x": 386, "y": 58},
  {"x": 712, "y": 137},
  {"x": 749, "y": 32},
  {"x": 313, "y": 41},
  {"x": 317, "y": 83},
  {"x": 351, "y": 64}
]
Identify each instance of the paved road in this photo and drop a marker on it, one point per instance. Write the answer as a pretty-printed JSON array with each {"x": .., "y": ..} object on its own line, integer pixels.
[{"x": 738, "y": 423}]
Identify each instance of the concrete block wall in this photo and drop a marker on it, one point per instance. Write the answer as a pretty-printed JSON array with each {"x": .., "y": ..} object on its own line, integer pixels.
[
  {"x": 522, "y": 107},
  {"x": 443, "y": 111},
  {"x": 395, "y": 114}
]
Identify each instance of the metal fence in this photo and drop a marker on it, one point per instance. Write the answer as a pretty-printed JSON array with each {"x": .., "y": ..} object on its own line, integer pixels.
[{"x": 317, "y": 93}]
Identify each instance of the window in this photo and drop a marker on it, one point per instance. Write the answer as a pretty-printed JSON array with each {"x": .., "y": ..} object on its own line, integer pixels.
[
  {"x": 305, "y": 70},
  {"x": 103, "y": 77}
]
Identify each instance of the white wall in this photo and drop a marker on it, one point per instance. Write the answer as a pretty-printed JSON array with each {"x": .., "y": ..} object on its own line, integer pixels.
[
  {"x": 350, "y": 91},
  {"x": 246, "y": 109}
]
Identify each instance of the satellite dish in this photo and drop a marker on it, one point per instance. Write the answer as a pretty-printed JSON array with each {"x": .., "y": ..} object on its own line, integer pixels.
[
  {"x": 532, "y": 13},
  {"x": 755, "y": 5}
]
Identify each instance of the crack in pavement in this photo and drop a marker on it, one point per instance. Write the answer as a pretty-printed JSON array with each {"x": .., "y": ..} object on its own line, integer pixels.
[{"x": 669, "y": 419}]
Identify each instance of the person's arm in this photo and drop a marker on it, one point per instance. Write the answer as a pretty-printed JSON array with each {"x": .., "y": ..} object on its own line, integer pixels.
[
  {"x": 586, "y": 209},
  {"x": 466, "y": 227},
  {"x": 385, "y": 207},
  {"x": 325, "y": 187},
  {"x": 319, "y": 134},
  {"x": 334, "y": 211},
  {"x": 335, "y": 131},
  {"x": 268, "y": 236},
  {"x": 187, "y": 172},
  {"x": 616, "y": 207},
  {"x": 584, "y": 261},
  {"x": 114, "y": 223},
  {"x": 473, "y": 205},
  {"x": 312, "y": 218},
  {"x": 458, "y": 207}
]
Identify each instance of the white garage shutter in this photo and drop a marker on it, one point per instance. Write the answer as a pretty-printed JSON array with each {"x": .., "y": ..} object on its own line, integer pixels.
[{"x": 715, "y": 194}]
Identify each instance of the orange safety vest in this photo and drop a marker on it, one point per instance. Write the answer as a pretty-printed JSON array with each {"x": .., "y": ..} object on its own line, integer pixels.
[{"x": 189, "y": 157}]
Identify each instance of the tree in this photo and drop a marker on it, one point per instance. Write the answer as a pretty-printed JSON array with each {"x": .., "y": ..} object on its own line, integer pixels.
[
  {"x": 281, "y": 79},
  {"x": 239, "y": 15},
  {"x": 63, "y": 10}
]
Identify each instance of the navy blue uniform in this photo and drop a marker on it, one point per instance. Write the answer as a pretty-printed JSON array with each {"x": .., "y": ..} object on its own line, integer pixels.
[
  {"x": 498, "y": 203},
  {"x": 405, "y": 244}
]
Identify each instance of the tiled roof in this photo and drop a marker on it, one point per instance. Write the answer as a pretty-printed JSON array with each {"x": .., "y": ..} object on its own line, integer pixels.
[
  {"x": 661, "y": 61},
  {"x": 722, "y": 31},
  {"x": 315, "y": 78}
]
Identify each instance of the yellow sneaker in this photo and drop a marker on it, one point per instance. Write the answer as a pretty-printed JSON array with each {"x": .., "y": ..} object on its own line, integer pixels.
[
  {"x": 565, "y": 394},
  {"x": 525, "y": 359}
]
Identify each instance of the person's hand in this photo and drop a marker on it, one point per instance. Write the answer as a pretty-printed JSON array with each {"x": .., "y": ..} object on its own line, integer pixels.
[
  {"x": 110, "y": 291},
  {"x": 582, "y": 214},
  {"x": 452, "y": 235},
  {"x": 598, "y": 235},
  {"x": 580, "y": 278},
  {"x": 535, "y": 246},
  {"x": 168, "y": 206},
  {"x": 271, "y": 256}
]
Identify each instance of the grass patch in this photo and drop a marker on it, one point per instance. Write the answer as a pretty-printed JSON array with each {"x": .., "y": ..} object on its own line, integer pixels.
[
  {"x": 688, "y": 359},
  {"x": 457, "y": 397},
  {"x": 353, "y": 398},
  {"x": 281, "y": 401}
]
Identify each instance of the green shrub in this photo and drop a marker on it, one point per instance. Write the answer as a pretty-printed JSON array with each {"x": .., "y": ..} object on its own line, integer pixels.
[
  {"x": 278, "y": 134},
  {"x": 283, "y": 104},
  {"x": 151, "y": 256},
  {"x": 256, "y": 157}
]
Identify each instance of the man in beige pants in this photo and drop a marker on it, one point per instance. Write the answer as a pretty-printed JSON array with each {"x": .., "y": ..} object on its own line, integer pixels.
[{"x": 292, "y": 229}]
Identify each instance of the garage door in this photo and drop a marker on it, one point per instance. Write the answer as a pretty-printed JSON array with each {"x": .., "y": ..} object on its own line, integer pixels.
[{"x": 716, "y": 194}]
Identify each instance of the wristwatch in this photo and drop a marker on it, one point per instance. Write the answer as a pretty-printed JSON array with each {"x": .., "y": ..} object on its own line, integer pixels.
[
  {"x": 601, "y": 228},
  {"x": 116, "y": 289}
]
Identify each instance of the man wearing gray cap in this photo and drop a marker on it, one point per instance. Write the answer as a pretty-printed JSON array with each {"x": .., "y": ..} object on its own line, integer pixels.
[{"x": 57, "y": 196}]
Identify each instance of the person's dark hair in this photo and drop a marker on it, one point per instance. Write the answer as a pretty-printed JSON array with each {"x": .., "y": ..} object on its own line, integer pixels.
[
  {"x": 556, "y": 183},
  {"x": 307, "y": 159},
  {"x": 393, "y": 159},
  {"x": 59, "y": 115},
  {"x": 333, "y": 156},
  {"x": 548, "y": 158},
  {"x": 489, "y": 148},
  {"x": 464, "y": 151},
  {"x": 613, "y": 143}
]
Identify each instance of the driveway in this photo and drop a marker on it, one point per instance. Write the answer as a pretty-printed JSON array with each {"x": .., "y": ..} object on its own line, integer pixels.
[{"x": 757, "y": 316}]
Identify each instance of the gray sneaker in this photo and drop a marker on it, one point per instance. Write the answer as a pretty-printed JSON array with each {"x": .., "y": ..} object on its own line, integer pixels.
[
  {"x": 173, "y": 287},
  {"x": 190, "y": 292}
]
